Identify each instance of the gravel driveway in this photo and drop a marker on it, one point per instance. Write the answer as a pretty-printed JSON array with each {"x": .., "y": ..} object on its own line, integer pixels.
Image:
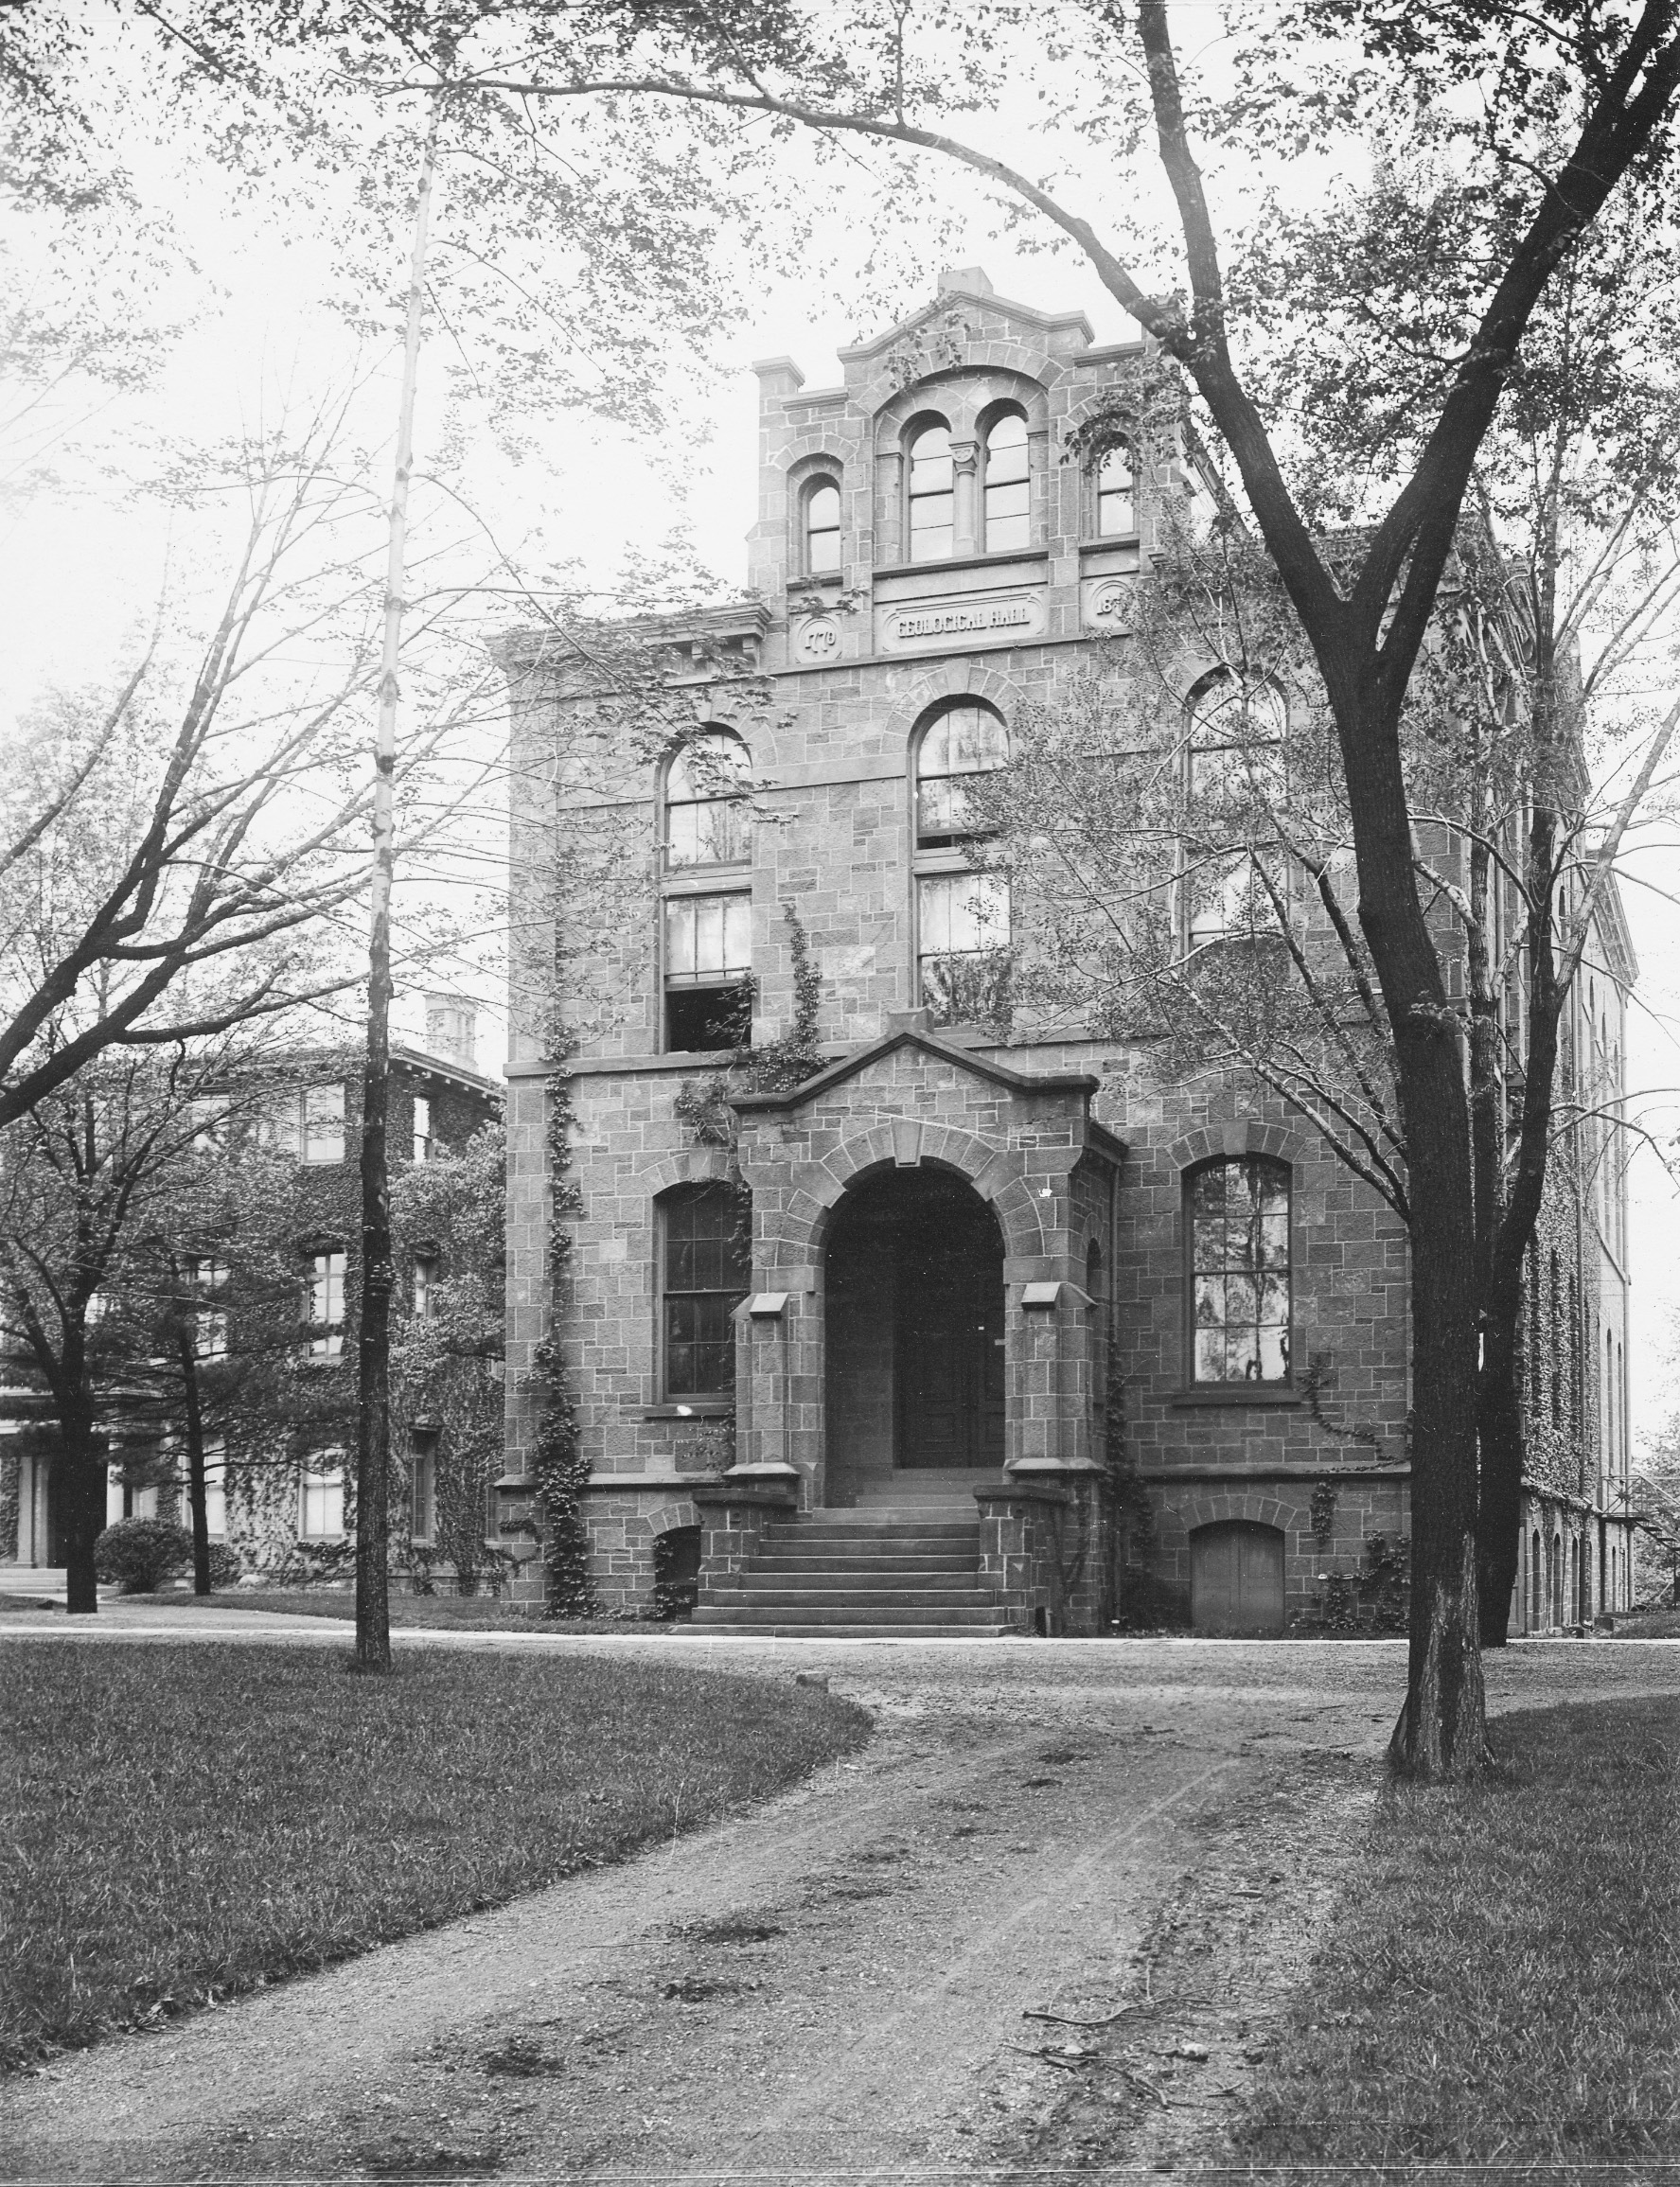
[{"x": 836, "y": 1984}]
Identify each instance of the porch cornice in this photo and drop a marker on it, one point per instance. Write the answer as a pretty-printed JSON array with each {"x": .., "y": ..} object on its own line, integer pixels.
[{"x": 1021, "y": 1081}]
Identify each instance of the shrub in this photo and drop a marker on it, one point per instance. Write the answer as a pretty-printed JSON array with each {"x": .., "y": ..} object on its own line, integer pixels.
[{"x": 138, "y": 1555}]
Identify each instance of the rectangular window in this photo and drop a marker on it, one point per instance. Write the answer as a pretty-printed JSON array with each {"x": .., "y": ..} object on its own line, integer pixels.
[
  {"x": 215, "y": 1492},
  {"x": 321, "y": 1503},
  {"x": 422, "y": 1483},
  {"x": 327, "y": 1305},
  {"x": 705, "y": 1278},
  {"x": 209, "y": 1113},
  {"x": 425, "y": 1277},
  {"x": 422, "y": 1129},
  {"x": 324, "y": 1123},
  {"x": 708, "y": 954},
  {"x": 963, "y": 961}
]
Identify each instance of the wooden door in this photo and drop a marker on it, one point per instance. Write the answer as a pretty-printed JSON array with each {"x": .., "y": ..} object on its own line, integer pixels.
[
  {"x": 1236, "y": 1578},
  {"x": 949, "y": 1349}
]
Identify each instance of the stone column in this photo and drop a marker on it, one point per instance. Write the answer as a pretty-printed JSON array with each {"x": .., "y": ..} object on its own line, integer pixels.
[{"x": 965, "y": 511}]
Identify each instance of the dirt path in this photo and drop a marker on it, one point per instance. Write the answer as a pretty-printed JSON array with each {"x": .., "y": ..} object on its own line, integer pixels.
[{"x": 835, "y": 1984}]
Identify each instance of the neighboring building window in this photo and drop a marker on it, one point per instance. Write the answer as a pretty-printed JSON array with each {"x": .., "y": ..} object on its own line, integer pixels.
[
  {"x": 1238, "y": 1220},
  {"x": 823, "y": 528},
  {"x": 1117, "y": 516},
  {"x": 327, "y": 1305},
  {"x": 210, "y": 1113},
  {"x": 932, "y": 501},
  {"x": 965, "y": 741},
  {"x": 324, "y": 1123},
  {"x": 708, "y": 956},
  {"x": 705, "y": 1278},
  {"x": 422, "y": 1128},
  {"x": 422, "y": 1483},
  {"x": 425, "y": 1281},
  {"x": 1235, "y": 781},
  {"x": 707, "y": 819},
  {"x": 962, "y": 934},
  {"x": 1008, "y": 517},
  {"x": 321, "y": 1503},
  {"x": 215, "y": 1490},
  {"x": 209, "y": 1323}
]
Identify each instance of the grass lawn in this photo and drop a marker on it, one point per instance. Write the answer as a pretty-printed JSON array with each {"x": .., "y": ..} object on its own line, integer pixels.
[
  {"x": 1504, "y": 1983},
  {"x": 188, "y": 1822},
  {"x": 451, "y": 1613}
]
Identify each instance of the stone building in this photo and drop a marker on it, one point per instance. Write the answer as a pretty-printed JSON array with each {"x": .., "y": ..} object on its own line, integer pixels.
[
  {"x": 275, "y": 1336},
  {"x": 1014, "y": 1339}
]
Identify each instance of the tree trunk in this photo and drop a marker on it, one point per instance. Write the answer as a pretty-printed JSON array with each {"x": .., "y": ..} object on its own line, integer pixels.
[
  {"x": 1442, "y": 1727},
  {"x": 198, "y": 1510},
  {"x": 79, "y": 1473},
  {"x": 373, "y": 1412}
]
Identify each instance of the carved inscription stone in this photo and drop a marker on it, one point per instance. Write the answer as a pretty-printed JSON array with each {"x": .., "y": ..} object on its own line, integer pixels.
[{"x": 911, "y": 624}]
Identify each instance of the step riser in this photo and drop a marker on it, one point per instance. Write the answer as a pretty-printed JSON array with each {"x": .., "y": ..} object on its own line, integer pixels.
[
  {"x": 840, "y": 1621},
  {"x": 852, "y": 1599}
]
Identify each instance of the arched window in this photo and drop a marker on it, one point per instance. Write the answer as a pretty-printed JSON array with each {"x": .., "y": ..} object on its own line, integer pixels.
[
  {"x": 962, "y": 929},
  {"x": 706, "y": 816},
  {"x": 932, "y": 502},
  {"x": 821, "y": 511},
  {"x": 703, "y": 1276},
  {"x": 1117, "y": 516},
  {"x": 1237, "y": 1226},
  {"x": 1235, "y": 781},
  {"x": 1534, "y": 1580},
  {"x": 967, "y": 740},
  {"x": 1008, "y": 515}
]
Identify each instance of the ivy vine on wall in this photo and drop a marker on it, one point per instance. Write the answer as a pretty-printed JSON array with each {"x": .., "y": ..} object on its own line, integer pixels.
[{"x": 560, "y": 1467}]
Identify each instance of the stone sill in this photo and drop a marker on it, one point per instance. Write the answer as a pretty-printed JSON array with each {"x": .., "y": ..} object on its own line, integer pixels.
[
  {"x": 963, "y": 562},
  {"x": 701, "y": 1408},
  {"x": 1225, "y": 1394}
]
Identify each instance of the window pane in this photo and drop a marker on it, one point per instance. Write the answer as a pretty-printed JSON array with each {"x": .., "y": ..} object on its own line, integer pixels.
[
  {"x": 931, "y": 494},
  {"x": 1115, "y": 517},
  {"x": 1239, "y": 1287},
  {"x": 823, "y": 533},
  {"x": 324, "y": 1123}
]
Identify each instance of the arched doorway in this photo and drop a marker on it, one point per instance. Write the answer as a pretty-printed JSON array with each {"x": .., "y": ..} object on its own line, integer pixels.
[
  {"x": 913, "y": 1283},
  {"x": 1236, "y": 1578}
]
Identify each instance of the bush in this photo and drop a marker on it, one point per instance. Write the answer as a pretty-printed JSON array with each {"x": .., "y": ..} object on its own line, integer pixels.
[
  {"x": 138, "y": 1555},
  {"x": 1372, "y": 1601}
]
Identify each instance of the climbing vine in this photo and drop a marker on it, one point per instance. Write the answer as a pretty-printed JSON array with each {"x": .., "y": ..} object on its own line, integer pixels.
[{"x": 559, "y": 1468}]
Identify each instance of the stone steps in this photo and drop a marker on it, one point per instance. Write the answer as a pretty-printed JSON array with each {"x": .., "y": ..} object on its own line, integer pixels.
[{"x": 876, "y": 1575}]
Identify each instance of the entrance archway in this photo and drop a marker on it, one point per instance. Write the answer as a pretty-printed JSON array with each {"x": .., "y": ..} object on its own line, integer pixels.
[
  {"x": 913, "y": 1284},
  {"x": 1236, "y": 1578}
]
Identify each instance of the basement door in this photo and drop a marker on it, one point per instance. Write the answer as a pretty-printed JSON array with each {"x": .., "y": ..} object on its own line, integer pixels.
[{"x": 1236, "y": 1578}]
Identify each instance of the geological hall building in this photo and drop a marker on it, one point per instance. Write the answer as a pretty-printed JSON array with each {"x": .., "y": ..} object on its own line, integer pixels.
[{"x": 917, "y": 1316}]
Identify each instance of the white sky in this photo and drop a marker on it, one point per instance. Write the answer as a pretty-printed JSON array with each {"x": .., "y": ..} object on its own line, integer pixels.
[{"x": 76, "y": 568}]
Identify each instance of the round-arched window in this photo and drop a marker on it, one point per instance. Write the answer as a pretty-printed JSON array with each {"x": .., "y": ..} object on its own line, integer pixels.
[
  {"x": 932, "y": 502},
  {"x": 966, "y": 740},
  {"x": 1008, "y": 515},
  {"x": 823, "y": 528},
  {"x": 1237, "y": 1219},
  {"x": 1116, "y": 496},
  {"x": 706, "y": 818}
]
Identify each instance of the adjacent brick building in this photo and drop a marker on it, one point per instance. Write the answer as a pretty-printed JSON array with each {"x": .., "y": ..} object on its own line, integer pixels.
[{"x": 991, "y": 1280}]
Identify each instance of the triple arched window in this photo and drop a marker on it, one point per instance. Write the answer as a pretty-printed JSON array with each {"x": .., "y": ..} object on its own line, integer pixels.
[
  {"x": 1007, "y": 484},
  {"x": 932, "y": 492},
  {"x": 707, "y": 907},
  {"x": 1237, "y": 1231}
]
